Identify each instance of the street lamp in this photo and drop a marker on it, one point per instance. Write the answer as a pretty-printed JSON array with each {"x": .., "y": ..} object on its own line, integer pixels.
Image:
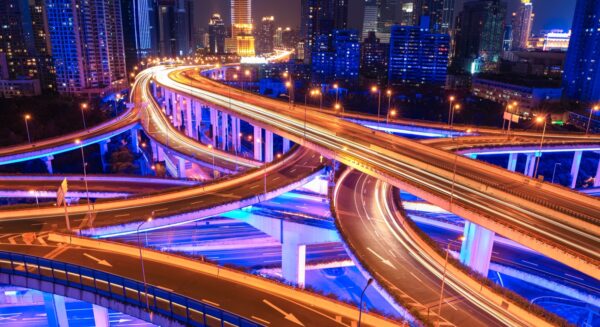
[
  {"x": 83, "y": 106},
  {"x": 510, "y": 108},
  {"x": 388, "y": 92},
  {"x": 337, "y": 91},
  {"x": 289, "y": 86},
  {"x": 460, "y": 239},
  {"x": 595, "y": 108},
  {"x": 369, "y": 282},
  {"x": 337, "y": 107},
  {"x": 83, "y": 163},
  {"x": 27, "y": 117},
  {"x": 554, "y": 170},
  {"x": 375, "y": 89},
  {"x": 212, "y": 150},
  {"x": 391, "y": 113},
  {"x": 451, "y": 100},
  {"x": 456, "y": 107},
  {"x": 142, "y": 260},
  {"x": 538, "y": 155}
]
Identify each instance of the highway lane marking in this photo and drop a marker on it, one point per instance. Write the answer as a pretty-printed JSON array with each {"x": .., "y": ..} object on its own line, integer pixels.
[
  {"x": 198, "y": 202},
  {"x": 531, "y": 263},
  {"x": 12, "y": 240},
  {"x": 38, "y": 224},
  {"x": 56, "y": 252},
  {"x": 255, "y": 186},
  {"x": 41, "y": 241},
  {"x": 163, "y": 209},
  {"x": 275, "y": 178},
  {"x": 122, "y": 215},
  {"x": 288, "y": 316},
  {"x": 98, "y": 261},
  {"x": 573, "y": 276},
  {"x": 211, "y": 302},
  {"x": 384, "y": 260},
  {"x": 260, "y": 320},
  {"x": 415, "y": 276}
]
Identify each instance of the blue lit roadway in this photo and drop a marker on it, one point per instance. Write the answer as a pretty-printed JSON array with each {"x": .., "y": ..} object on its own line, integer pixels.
[{"x": 559, "y": 223}]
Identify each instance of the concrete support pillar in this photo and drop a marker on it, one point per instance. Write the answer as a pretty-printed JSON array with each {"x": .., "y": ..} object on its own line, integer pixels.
[
  {"x": 235, "y": 134},
  {"x": 189, "y": 126},
  {"x": 197, "y": 119},
  {"x": 286, "y": 145},
  {"x": 512, "y": 161},
  {"x": 180, "y": 167},
  {"x": 48, "y": 161},
  {"x": 213, "y": 125},
  {"x": 258, "y": 143},
  {"x": 575, "y": 167},
  {"x": 134, "y": 140},
  {"x": 160, "y": 153},
  {"x": 224, "y": 131},
  {"x": 56, "y": 310},
  {"x": 268, "y": 146},
  {"x": 476, "y": 249},
  {"x": 293, "y": 263},
  {"x": 597, "y": 178},
  {"x": 100, "y": 316},
  {"x": 103, "y": 151},
  {"x": 530, "y": 165}
]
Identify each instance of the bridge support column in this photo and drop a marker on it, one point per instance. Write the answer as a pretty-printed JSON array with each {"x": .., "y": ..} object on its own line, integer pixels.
[
  {"x": 286, "y": 145},
  {"x": 530, "y": 164},
  {"x": 180, "y": 167},
  {"x": 197, "y": 120},
  {"x": 575, "y": 167},
  {"x": 476, "y": 249},
  {"x": 103, "y": 151},
  {"x": 268, "y": 146},
  {"x": 597, "y": 178},
  {"x": 213, "y": 126},
  {"x": 189, "y": 126},
  {"x": 135, "y": 147},
  {"x": 48, "y": 161},
  {"x": 100, "y": 316},
  {"x": 160, "y": 153},
  {"x": 512, "y": 161},
  {"x": 235, "y": 133},
  {"x": 224, "y": 131},
  {"x": 258, "y": 156},
  {"x": 56, "y": 310},
  {"x": 293, "y": 263}
]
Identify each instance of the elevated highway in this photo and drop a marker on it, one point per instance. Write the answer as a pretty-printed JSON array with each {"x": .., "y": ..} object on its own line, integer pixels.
[{"x": 556, "y": 222}]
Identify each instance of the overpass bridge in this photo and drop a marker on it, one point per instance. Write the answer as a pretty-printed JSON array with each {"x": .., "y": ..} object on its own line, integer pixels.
[{"x": 556, "y": 222}]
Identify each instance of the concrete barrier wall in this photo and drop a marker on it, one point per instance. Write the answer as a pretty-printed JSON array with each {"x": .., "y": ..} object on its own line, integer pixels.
[{"x": 244, "y": 279}]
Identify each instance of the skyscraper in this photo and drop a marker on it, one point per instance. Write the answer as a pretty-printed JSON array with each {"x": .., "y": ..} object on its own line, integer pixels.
[
  {"x": 265, "y": 34},
  {"x": 480, "y": 35},
  {"x": 374, "y": 58},
  {"x": 347, "y": 55},
  {"x": 418, "y": 56},
  {"x": 436, "y": 14},
  {"x": 522, "y": 20},
  {"x": 371, "y": 17},
  {"x": 408, "y": 12},
  {"x": 321, "y": 17},
  {"x": 216, "y": 34},
  {"x": 24, "y": 43},
  {"x": 581, "y": 79},
  {"x": 241, "y": 27},
  {"x": 86, "y": 38},
  {"x": 175, "y": 31},
  {"x": 379, "y": 16},
  {"x": 138, "y": 24}
]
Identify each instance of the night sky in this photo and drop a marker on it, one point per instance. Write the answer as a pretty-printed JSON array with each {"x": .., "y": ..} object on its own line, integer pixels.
[{"x": 549, "y": 13}]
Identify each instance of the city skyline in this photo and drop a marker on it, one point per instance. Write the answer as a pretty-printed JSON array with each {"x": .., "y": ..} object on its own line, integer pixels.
[{"x": 549, "y": 14}]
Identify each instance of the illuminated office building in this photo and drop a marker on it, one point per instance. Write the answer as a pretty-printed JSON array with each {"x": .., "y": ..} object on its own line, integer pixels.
[
  {"x": 522, "y": 21},
  {"x": 217, "y": 33},
  {"x": 242, "y": 28},
  {"x": 265, "y": 34}
]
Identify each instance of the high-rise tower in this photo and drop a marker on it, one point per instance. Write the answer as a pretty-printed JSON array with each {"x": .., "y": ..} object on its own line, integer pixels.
[
  {"x": 522, "y": 20},
  {"x": 581, "y": 78},
  {"x": 241, "y": 27}
]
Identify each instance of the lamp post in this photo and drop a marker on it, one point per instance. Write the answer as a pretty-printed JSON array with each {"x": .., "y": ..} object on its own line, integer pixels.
[
  {"x": 375, "y": 89},
  {"x": 451, "y": 100},
  {"x": 391, "y": 113},
  {"x": 142, "y": 260},
  {"x": 595, "y": 108},
  {"x": 554, "y": 170},
  {"x": 388, "y": 92},
  {"x": 336, "y": 87},
  {"x": 83, "y": 106},
  {"x": 87, "y": 190},
  {"x": 456, "y": 107},
  {"x": 288, "y": 85},
  {"x": 337, "y": 107},
  {"x": 27, "y": 117},
  {"x": 510, "y": 109},
  {"x": 246, "y": 76},
  {"x": 444, "y": 276},
  {"x": 539, "y": 154},
  {"x": 369, "y": 282}
]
